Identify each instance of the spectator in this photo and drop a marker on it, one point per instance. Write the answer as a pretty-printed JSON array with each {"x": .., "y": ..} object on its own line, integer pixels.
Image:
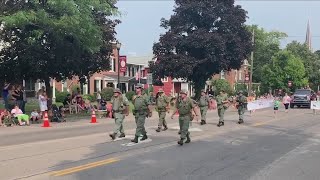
[
  {"x": 67, "y": 101},
  {"x": 24, "y": 97},
  {"x": 5, "y": 93},
  {"x": 43, "y": 103},
  {"x": 18, "y": 95},
  {"x": 35, "y": 116},
  {"x": 98, "y": 97},
  {"x": 22, "y": 118},
  {"x": 4, "y": 114},
  {"x": 103, "y": 105},
  {"x": 11, "y": 100},
  {"x": 286, "y": 101}
]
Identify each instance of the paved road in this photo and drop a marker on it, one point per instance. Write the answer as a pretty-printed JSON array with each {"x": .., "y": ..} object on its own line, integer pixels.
[{"x": 263, "y": 148}]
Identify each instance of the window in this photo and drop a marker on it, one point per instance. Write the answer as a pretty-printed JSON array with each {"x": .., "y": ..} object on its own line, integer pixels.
[
  {"x": 113, "y": 64},
  {"x": 96, "y": 87},
  {"x": 64, "y": 86},
  {"x": 240, "y": 75},
  {"x": 165, "y": 79},
  {"x": 222, "y": 75},
  {"x": 132, "y": 72}
]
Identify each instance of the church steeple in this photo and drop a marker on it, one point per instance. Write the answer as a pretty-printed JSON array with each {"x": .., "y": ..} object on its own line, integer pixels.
[{"x": 308, "y": 37}]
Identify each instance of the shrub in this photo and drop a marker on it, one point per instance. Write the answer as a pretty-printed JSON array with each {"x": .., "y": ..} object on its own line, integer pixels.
[
  {"x": 107, "y": 93},
  {"x": 60, "y": 96},
  {"x": 91, "y": 98},
  {"x": 130, "y": 95}
]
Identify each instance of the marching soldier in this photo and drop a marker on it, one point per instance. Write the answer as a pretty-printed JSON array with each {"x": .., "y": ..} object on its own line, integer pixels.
[
  {"x": 142, "y": 110},
  {"x": 185, "y": 106},
  {"x": 222, "y": 105},
  {"x": 241, "y": 105},
  {"x": 120, "y": 106},
  {"x": 204, "y": 103},
  {"x": 162, "y": 105}
]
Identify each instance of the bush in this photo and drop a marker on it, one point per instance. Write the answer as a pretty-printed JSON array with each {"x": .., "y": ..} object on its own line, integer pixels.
[
  {"x": 130, "y": 95},
  {"x": 222, "y": 84},
  {"x": 107, "y": 93},
  {"x": 60, "y": 96},
  {"x": 91, "y": 98}
]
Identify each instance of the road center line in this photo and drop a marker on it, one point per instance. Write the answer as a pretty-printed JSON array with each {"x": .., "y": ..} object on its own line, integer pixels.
[{"x": 84, "y": 167}]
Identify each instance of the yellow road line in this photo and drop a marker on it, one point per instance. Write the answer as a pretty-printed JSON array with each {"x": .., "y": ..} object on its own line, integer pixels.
[
  {"x": 84, "y": 167},
  {"x": 277, "y": 119}
]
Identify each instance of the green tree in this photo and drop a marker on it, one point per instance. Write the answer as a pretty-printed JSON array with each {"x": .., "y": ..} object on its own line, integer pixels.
[
  {"x": 266, "y": 45},
  {"x": 57, "y": 39},
  {"x": 203, "y": 38},
  {"x": 310, "y": 60},
  {"x": 222, "y": 84},
  {"x": 284, "y": 67}
]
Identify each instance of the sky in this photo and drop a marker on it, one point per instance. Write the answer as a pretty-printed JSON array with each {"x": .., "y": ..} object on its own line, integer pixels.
[{"x": 140, "y": 26}]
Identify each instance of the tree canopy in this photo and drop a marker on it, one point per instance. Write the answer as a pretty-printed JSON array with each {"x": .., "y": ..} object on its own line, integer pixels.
[
  {"x": 266, "y": 45},
  {"x": 203, "y": 38},
  {"x": 55, "y": 39},
  {"x": 284, "y": 67},
  {"x": 310, "y": 60}
]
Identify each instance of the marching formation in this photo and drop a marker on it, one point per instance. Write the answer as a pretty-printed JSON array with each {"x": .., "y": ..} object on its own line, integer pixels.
[{"x": 184, "y": 105}]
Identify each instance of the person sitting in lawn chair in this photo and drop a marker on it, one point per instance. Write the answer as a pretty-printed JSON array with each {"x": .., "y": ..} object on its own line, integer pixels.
[
  {"x": 35, "y": 116},
  {"x": 57, "y": 114},
  {"x": 5, "y": 118},
  {"x": 23, "y": 119}
]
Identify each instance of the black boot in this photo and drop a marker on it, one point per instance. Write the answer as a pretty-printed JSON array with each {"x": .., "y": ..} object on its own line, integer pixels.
[
  {"x": 179, "y": 132},
  {"x": 144, "y": 137},
  {"x": 202, "y": 122},
  {"x": 159, "y": 129},
  {"x": 220, "y": 124},
  {"x": 180, "y": 142},
  {"x": 188, "y": 138},
  {"x": 240, "y": 121},
  {"x": 113, "y": 136},
  {"x": 135, "y": 140},
  {"x": 122, "y": 135},
  {"x": 165, "y": 127}
]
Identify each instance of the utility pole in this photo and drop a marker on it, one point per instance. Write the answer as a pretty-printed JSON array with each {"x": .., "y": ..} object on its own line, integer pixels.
[{"x": 251, "y": 66}]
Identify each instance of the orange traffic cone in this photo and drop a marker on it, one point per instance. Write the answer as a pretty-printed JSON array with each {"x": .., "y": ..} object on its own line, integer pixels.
[
  {"x": 46, "y": 122},
  {"x": 93, "y": 117}
]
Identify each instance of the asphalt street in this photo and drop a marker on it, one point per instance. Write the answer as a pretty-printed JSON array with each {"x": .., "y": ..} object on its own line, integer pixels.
[{"x": 286, "y": 148}]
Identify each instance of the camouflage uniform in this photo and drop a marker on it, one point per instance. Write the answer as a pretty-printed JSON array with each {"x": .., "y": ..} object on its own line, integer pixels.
[
  {"x": 119, "y": 105},
  {"x": 242, "y": 102},
  {"x": 162, "y": 103},
  {"x": 185, "y": 116},
  {"x": 203, "y": 104},
  {"x": 221, "y": 107},
  {"x": 140, "y": 112}
]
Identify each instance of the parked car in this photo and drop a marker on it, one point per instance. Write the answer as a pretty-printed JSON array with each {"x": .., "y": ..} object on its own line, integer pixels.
[{"x": 301, "y": 97}]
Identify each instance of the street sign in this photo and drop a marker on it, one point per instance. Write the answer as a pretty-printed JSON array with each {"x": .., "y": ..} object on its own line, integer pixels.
[
  {"x": 123, "y": 63},
  {"x": 149, "y": 78}
]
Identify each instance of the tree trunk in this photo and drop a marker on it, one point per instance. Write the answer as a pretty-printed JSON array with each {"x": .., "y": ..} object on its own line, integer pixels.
[
  {"x": 198, "y": 86},
  {"x": 48, "y": 88}
]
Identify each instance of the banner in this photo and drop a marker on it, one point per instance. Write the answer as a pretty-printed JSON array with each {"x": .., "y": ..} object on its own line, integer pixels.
[
  {"x": 315, "y": 105},
  {"x": 123, "y": 63},
  {"x": 260, "y": 104}
]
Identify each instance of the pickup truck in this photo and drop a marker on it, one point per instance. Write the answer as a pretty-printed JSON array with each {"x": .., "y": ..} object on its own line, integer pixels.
[{"x": 301, "y": 97}]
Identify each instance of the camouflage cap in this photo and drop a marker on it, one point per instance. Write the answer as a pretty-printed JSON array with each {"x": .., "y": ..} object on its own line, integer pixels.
[
  {"x": 160, "y": 90},
  {"x": 116, "y": 90},
  {"x": 184, "y": 91},
  {"x": 139, "y": 86},
  {"x": 240, "y": 92}
]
